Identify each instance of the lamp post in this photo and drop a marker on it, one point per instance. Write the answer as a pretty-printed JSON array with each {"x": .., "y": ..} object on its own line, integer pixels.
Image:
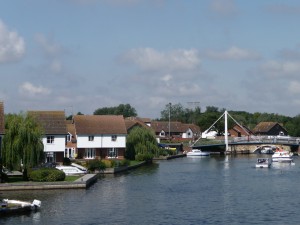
[{"x": 170, "y": 121}]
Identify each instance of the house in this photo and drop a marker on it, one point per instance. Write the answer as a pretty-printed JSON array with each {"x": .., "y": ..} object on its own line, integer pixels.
[
  {"x": 238, "y": 131},
  {"x": 53, "y": 124},
  {"x": 71, "y": 141},
  {"x": 270, "y": 128},
  {"x": 132, "y": 122},
  {"x": 177, "y": 130},
  {"x": 100, "y": 136}
]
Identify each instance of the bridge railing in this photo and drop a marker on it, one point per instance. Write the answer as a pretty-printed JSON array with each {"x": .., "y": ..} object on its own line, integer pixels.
[{"x": 266, "y": 139}]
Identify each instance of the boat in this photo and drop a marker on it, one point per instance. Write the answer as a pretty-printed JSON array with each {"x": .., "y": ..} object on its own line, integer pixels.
[
  {"x": 15, "y": 206},
  {"x": 281, "y": 155},
  {"x": 72, "y": 170},
  {"x": 263, "y": 163},
  {"x": 197, "y": 152}
]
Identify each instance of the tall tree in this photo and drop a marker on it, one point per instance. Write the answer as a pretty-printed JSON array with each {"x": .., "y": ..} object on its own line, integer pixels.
[
  {"x": 22, "y": 144},
  {"x": 123, "y": 109},
  {"x": 141, "y": 141}
]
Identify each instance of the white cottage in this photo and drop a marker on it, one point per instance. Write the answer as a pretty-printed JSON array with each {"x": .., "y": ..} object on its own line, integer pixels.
[
  {"x": 54, "y": 139},
  {"x": 100, "y": 136}
]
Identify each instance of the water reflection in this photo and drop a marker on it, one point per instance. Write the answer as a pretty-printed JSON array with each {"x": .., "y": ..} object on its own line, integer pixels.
[{"x": 212, "y": 190}]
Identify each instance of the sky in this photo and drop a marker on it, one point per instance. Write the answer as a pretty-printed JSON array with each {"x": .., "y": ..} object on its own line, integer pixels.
[{"x": 81, "y": 55}]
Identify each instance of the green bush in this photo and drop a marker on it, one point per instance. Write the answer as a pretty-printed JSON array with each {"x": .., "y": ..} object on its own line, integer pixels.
[
  {"x": 96, "y": 164},
  {"x": 47, "y": 175},
  {"x": 144, "y": 157},
  {"x": 67, "y": 162},
  {"x": 124, "y": 162}
]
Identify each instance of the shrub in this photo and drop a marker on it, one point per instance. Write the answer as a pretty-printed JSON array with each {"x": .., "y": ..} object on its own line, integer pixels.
[
  {"x": 109, "y": 163},
  {"x": 67, "y": 162},
  {"x": 95, "y": 164},
  {"x": 124, "y": 162},
  {"x": 47, "y": 175},
  {"x": 144, "y": 157}
]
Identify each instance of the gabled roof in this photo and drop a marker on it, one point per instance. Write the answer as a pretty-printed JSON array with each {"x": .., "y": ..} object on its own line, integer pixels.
[
  {"x": 99, "y": 124},
  {"x": 131, "y": 122},
  {"x": 53, "y": 122},
  {"x": 175, "y": 127},
  {"x": 264, "y": 127},
  {"x": 2, "y": 125}
]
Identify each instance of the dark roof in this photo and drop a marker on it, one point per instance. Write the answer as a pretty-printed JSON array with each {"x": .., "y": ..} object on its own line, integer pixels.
[
  {"x": 100, "y": 124},
  {"x": 2, "y": 125},
  {"x": 175, "y": 127},
  {"x": 264, "y": 127},
  {"x": 53, "y": 122}
]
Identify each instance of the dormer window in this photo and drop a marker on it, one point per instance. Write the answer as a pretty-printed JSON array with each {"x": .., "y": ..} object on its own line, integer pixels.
[
  {"x": 91, "y": 138},
  {"x": 69, "y": 136}
]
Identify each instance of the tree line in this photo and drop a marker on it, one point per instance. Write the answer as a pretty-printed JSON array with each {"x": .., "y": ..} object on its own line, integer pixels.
[{"x": 205, "y": 118}]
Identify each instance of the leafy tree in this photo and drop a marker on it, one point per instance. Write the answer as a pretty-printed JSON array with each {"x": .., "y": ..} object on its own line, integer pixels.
[
  {"x": 141, "y": 141},
  {"x": 123, "y": 109},
  {"x": 22, "y": 143}
]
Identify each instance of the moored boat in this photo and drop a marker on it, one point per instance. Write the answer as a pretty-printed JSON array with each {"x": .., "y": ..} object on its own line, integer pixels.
[
  {"x": 282, "y": 156},
  {"x": 263, "y": 163},
  {"x": 15, "y": 206},
  {"x": 197, "y": 152},
  {"x": 72, "y": 170}
]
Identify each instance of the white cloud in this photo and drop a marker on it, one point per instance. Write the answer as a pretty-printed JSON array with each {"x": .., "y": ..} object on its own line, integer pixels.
[
  {"x": 224, "y": 7},
  {"x": 28, "y": 88},
  {"x": 56, "y": 66},
  {"x": 294, "y": 87},
  {"x": 48, "y": 46},
  {"x": 12, "y": 46},
  {"x": 275, "y": 68},
  {"x": 151, "y": 59},
  {"x": 283, "y": 9},
  {"x": 233, "y": 53}
]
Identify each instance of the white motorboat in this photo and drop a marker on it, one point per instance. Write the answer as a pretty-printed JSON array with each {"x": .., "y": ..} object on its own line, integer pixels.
[
  {"x": 197, "y": 152},
  {"x": 282, "y": 156},
  {"x": 15, "y": 206},
  {"x": 263, "y": 163},
  {"x": 72, "y": 170}
]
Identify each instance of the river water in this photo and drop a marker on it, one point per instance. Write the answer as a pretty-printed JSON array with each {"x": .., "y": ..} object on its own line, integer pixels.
[{"x": 211, "y": 190}]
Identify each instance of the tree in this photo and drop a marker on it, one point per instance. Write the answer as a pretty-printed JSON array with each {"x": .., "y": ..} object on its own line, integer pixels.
[
  {"x": 141, "y": 141},
  {"x": 22, "y": 143},
  {"x": 123, "y": 109}
]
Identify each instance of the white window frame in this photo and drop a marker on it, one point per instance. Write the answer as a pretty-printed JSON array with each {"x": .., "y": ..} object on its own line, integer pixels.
[
  {"x": 50, "y": 139},
  {"x": 112, "y": 153},
  {"x": 90, "y": 153}
]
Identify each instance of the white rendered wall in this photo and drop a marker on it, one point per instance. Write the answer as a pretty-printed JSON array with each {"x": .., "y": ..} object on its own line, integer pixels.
[
  {"x": 101, "y": 141},
  {"x": 58, "y": 145}
]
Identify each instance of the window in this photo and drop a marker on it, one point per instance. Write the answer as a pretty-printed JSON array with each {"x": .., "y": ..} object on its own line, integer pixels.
[
  {"x": 112, "y": 153},
  {"x": 90, "y": 153},
  {"x": 68, "y": 137},
  {"x": 91, "y": 138},
  {"x": 50, "y": 139},
  {"x": 113, "y": 137}
]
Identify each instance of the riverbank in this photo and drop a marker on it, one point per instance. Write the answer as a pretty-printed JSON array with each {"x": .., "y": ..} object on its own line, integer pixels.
[{"x": 82, "y": 182}]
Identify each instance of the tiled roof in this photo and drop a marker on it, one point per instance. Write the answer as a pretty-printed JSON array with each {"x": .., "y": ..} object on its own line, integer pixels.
[
  {"x": 130, "y": 122},
  {"x": 53, "y": 122},
  {"x": 264, "y": 127},
  {"x": 175, "y": 127},
  {"x": 2, "y": 125},
  {"x": 99, "y": 124}
]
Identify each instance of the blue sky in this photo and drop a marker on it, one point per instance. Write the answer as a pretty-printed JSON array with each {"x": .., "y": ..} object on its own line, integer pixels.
[{"x": 80, "y": 55}]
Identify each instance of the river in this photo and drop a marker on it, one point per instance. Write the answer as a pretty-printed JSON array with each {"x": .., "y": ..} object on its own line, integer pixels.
[{"x": 211, "y": 190}]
